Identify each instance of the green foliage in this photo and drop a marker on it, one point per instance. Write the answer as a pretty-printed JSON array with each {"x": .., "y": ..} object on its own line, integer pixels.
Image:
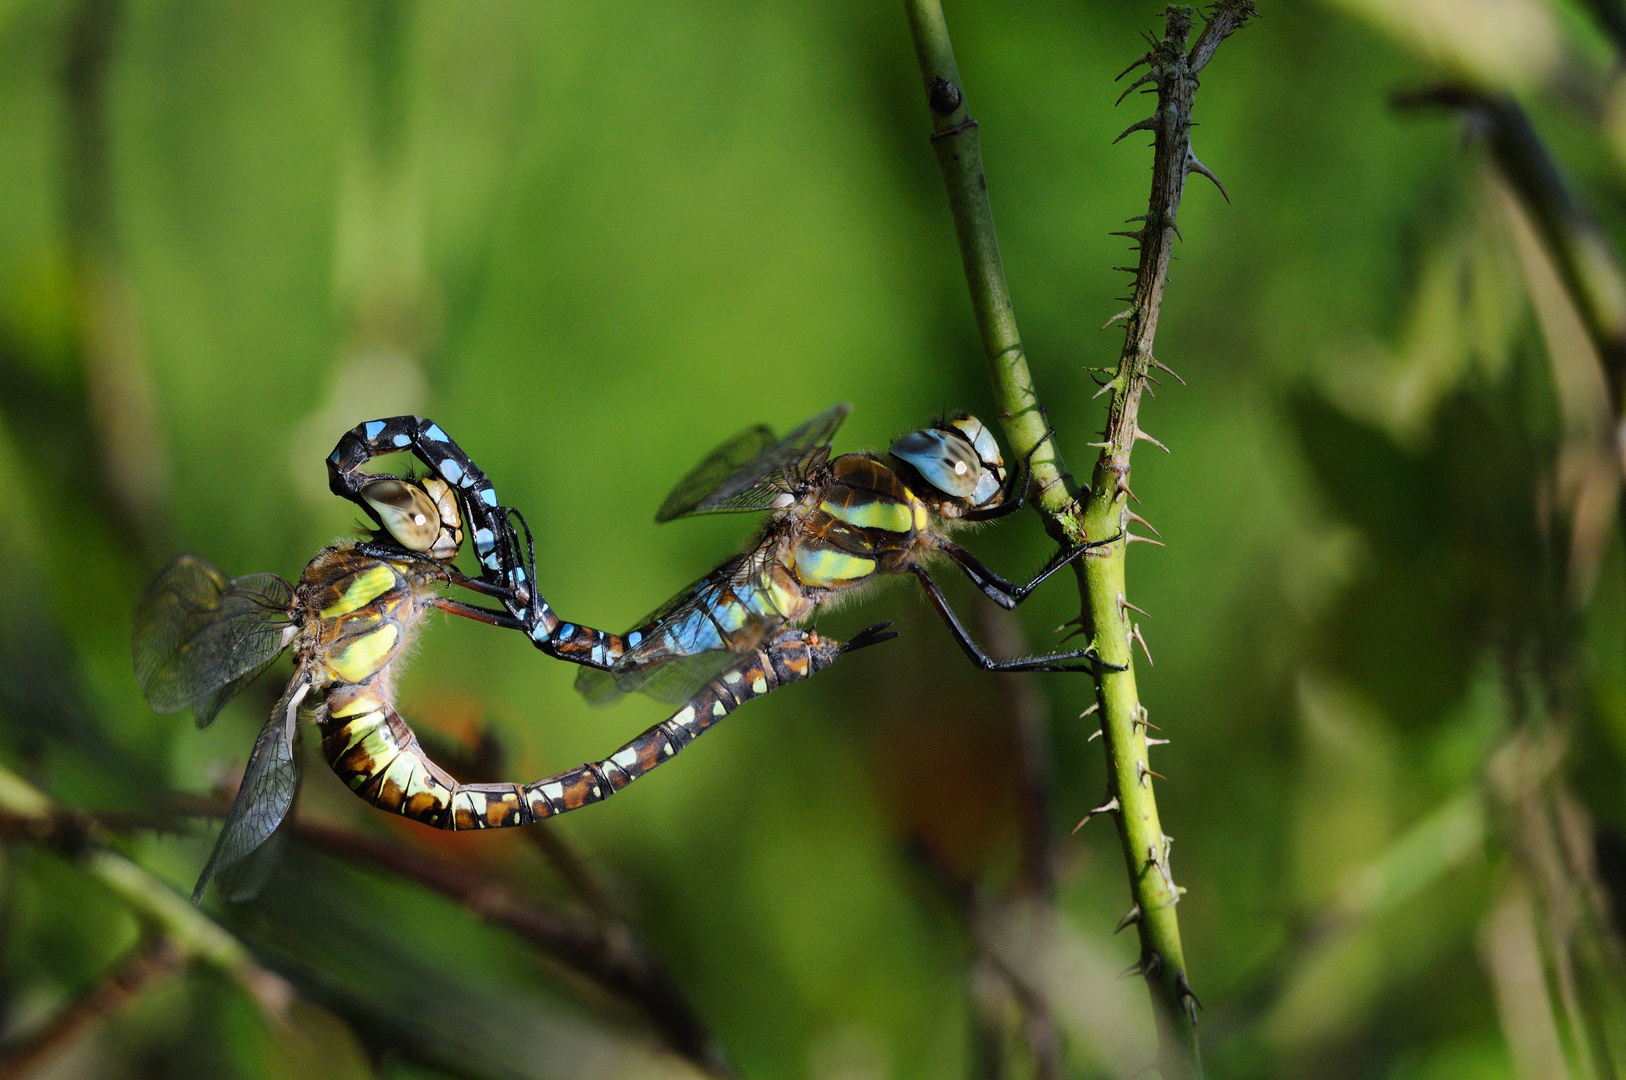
[{"x": 593, "y": 240}]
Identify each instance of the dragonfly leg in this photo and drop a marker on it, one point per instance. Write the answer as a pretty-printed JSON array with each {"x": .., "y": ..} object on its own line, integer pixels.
[
  {"x": 1008, "y": 594},
  {"x": 506, "y": 567},
  {"x": 478, "y": 614},
  {"x": 1084, "y": 659}
]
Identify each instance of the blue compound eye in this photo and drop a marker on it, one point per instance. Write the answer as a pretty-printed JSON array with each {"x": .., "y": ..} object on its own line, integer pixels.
[
  {"x": 945, "y": 461},
  {"x": 981, "y": 439}
]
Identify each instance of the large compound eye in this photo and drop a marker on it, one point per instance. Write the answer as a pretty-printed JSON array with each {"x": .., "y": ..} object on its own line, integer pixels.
[
  {"x": 409, "y": 515},
  {"x": 445, "y": 499},
  {"x": 987, "y": 449},
  {"x": 980, "y": 438},
  {"x": 451, "y": 533},
  {"x": 944, "y": 460}
]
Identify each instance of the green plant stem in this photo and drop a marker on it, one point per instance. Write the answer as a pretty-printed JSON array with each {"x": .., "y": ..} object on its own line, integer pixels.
[
  {"x": 1105, "y": 511},
  {"x": 26, "y": 813}
]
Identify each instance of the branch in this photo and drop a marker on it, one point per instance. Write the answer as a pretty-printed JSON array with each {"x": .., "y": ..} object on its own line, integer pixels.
[
  {"x": 1174, "y": 72},
  {"x": 605, "y": 952},
  {"x": 1583, "y": 251},
  {"x": 27, "y": 814},
  {"x": 615, "y": 960},
  {"x": 959, "y": 154},
  {"x": 149, "y": 962}
]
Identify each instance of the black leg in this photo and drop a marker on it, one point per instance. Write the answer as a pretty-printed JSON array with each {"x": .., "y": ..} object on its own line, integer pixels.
[
  {"x": 1068, "y": 661},
  {"x": 1005, "y": 593},
  {"x": 478, "y": 614}
]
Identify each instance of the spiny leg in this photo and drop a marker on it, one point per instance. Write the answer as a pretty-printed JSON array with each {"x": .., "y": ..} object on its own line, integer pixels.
[
  {"x": 1068, "y": 661},
  {"x": 503, "y": 561},
  {"x": 1008, "y": 594}
]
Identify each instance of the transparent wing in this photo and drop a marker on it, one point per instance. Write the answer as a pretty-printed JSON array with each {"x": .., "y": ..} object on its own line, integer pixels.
[
  {"x": 267, "y": 791},
  {"x": 693, "y": 637},
  {"x": 199, "y": 638},
  {"x": 748, "y": 471},
  {"x": 242, "y": 881}
]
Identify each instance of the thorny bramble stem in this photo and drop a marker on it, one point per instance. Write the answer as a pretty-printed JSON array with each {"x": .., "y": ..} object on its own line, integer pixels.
[{"x": 1172, "y": 72}]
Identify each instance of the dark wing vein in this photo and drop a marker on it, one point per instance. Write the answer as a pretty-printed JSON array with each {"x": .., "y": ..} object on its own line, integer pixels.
[
  {"x": 267, "y": 791},
  {"x": 693, "y": 637},
  {"x": 748, "y": 471},
  {"x": 199, "y": 638}
]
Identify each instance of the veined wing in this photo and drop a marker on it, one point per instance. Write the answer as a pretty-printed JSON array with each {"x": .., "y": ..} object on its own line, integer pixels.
[
  {"x": 748, "y": 471},
  {"x": 266, "y": 793},
  {"x": 199, "y": 638},
  {"x": 697, "y": 634}
]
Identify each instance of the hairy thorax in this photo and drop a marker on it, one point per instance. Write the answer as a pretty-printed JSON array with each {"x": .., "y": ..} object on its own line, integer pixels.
[{"x": 359, "y": 614}]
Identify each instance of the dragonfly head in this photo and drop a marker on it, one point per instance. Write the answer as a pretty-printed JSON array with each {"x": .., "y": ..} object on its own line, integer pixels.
[
  {"x": 958, "y": 457},
  {"x": 421, "y": 516}
]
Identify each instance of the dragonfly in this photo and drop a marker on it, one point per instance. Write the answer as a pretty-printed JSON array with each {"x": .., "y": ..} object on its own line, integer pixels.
[
  {"x": 836, "y": 525},
  {"x": 199, "y": 638}
]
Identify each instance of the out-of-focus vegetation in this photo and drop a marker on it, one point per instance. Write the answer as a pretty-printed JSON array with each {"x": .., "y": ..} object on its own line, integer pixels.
[{"x": 591, "y": 241}]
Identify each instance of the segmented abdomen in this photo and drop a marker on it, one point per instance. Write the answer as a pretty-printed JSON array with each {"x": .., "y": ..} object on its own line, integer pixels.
[{"x": 377, "y": 755}]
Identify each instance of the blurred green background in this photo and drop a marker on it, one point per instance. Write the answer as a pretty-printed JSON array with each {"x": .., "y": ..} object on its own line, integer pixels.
[{"x": 592, "y": 240}]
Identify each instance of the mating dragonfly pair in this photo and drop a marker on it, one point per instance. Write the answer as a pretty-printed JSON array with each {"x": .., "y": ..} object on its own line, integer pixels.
[{"x": 836, "y": 525}]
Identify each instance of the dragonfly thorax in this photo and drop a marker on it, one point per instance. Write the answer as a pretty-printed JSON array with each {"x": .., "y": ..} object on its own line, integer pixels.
[{"x": 359, "y": 613}]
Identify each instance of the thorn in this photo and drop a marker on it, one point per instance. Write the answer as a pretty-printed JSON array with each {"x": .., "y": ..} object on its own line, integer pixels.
[
  {"x": 1142, "y": 81},
  {"x": 1123, "y": 487},
  {"x": 1144, "y": 58},
  {"x": 1162, "y": 866},
  {"x": 1131, "y": 917},
  {"x": 1133, "y": 539},
  {"x": 1143, "y": 437},
  {"x": 1137, "y": 968},
  {"x": 1137, "y": 518},
  {"x": 1154, "y": 965},
  {"x": 1148, "y": 124},
  {"x": 1195, "y": 166},
  {"x": 1108, "y": 807},
  {"x": 1128, "y": 269},
  {"x": 1122, "y": 603},
  {"x": 1094, "y": 735},
  {"x": 1136, "y": 235},
  {"x": 1108, "y": 385},
  {"x": 1160, "y": 364},
  {"x": 1100, "y": 445},
  {"x": 1143, "y": 647},
  {"x": 1138, "y": 217},
  {"x": 1142, "y": 772},
  {"x": 1126, "y": 312},
  {"x": 1184, "y": 994},
  {"x": 1156, "y": 742},
  {"x": 1089, "y": 710}
]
